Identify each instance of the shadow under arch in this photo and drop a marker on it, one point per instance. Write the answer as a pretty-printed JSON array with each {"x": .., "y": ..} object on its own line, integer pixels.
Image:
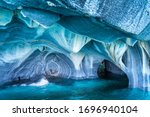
[{"x": 109, "y": 71}]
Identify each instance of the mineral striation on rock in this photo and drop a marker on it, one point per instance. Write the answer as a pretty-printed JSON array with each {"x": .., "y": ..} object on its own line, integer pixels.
[{"x": 70, "y": 39}]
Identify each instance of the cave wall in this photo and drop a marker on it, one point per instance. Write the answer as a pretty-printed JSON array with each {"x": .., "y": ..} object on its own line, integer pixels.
[{"x": 85, "y": 31}]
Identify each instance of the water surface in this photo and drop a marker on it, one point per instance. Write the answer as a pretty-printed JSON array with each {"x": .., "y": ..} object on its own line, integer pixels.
[{"x": 98, "y": 89}]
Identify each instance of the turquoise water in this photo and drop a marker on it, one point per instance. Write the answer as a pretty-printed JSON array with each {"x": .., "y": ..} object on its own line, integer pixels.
[{"x": 98, "y": 89}]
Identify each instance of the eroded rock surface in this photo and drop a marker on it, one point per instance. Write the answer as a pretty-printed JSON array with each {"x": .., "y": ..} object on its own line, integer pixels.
[{"x": 70, "y": 38}]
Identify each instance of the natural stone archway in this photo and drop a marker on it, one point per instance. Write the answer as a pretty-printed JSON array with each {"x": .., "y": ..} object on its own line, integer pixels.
[
  {"x": 109, "y": 72},
  {"x": 132, "y": 60},
  {"x": 41, "y": 64}
]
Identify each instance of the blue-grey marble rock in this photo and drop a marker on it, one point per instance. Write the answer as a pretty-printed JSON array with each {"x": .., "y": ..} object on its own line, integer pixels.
[{"x": 70, "y": 39}]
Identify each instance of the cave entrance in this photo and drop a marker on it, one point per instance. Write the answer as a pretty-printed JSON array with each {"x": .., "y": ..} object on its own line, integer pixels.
[{"x": 109, "y": 71}]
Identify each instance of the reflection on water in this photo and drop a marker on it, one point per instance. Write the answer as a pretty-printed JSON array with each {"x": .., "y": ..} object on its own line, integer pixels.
[{"x": 98, "y": 89}]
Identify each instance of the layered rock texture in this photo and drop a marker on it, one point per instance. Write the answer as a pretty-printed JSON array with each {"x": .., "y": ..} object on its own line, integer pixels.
[{"x": 70, "y": 39}]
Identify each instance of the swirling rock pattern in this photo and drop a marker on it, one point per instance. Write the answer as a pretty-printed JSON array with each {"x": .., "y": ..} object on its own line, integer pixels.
[{"x": 69, "y": 38}]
